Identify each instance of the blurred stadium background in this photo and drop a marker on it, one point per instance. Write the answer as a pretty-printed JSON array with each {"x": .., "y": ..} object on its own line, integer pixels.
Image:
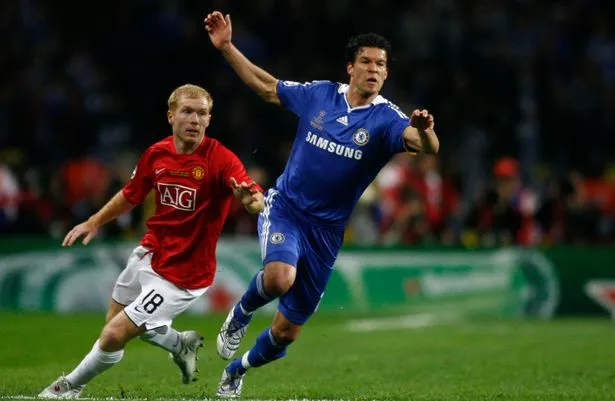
[{"x": 500, "y": 248}]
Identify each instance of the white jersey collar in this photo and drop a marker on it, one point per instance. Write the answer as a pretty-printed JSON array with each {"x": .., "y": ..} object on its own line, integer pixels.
[{"x": 343, "y": 90}]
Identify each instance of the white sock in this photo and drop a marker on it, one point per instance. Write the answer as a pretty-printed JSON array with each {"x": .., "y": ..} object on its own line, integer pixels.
[
  {"x": 244, "y": 361},
  {"x": 94, "y": 363},
  {"x": 164, "y": 337}
]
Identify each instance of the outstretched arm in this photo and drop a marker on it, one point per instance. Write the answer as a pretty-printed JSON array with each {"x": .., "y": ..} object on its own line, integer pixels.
[
  {"x": 420, "y": 134},
  {"x": 260, "y": 81},
  {"x": 117, "y": 206}
]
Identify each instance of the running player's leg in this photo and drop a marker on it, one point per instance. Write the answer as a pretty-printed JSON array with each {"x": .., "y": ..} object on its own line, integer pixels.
[
  {"x": 126, "y": 289},
  {"x": 153, "y": 309},
  {"x": 295, "y": 307},
  {"x": 107, "y": 351},
  {"x": 272, "y": 342},
  {"x": 278, "y": 278},
  {"x": 279, "y": 240},
  {"x": 183, "y": 346},
  {"x": 156, "y": 307},
  {"x": 270, "y": 345}
]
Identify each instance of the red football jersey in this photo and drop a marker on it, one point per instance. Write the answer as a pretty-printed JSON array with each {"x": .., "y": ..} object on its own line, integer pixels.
[{"x": 193, "y": 197}]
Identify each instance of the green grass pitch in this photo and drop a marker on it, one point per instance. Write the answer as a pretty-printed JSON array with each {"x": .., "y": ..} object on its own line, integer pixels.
[{"x": 568, "y": 359}]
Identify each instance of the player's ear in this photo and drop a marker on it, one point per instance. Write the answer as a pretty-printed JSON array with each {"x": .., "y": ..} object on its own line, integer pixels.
[
  {"x": 170, "y": 117},
  {"x": 349, "y": 69}
]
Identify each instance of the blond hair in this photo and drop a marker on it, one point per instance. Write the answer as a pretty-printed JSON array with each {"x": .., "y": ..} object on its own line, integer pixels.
[{"x": 191, "y": 92}]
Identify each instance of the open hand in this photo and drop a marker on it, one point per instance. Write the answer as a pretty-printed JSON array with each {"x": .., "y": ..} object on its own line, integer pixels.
[
  {"x": 219, "y": 29},
  {"x": 86, "y": 228},
  {"x": 421, "y": 119}
]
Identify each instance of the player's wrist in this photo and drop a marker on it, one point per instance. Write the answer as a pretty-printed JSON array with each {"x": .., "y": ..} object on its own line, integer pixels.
[
  {"x": 94, "y": 222},
  {"x": 225, "y": 47}
]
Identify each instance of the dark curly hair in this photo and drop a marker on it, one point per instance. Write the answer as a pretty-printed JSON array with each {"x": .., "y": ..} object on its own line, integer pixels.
[{"x": 366, "y": 40}]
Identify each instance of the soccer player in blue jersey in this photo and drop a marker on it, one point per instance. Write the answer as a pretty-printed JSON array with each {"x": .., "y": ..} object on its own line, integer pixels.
[{"x": 345, "y": 135}]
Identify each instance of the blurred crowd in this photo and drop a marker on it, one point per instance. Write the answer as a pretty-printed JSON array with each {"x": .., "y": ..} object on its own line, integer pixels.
[{"x": 523, "y": 93}]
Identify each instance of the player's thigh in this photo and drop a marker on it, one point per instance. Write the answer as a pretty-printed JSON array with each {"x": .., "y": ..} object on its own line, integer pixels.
[
  {"x": 279, "y": 234},
  {"x": 159, "y": 301},
  {"x": 320, "y": 248},
  {"x": 114, "y": 309},
  {"x": 128, "y": 286}
]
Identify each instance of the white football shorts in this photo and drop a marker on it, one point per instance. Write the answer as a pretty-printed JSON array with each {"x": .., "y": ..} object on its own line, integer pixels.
[{"x": 150, "y": 299}]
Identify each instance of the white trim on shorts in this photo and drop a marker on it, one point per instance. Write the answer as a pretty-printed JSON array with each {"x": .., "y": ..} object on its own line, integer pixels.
[{"x": 266, "y": 222}]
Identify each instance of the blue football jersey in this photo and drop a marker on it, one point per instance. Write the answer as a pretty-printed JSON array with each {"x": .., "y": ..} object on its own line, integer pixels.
[{"x": 338, "y": 149}]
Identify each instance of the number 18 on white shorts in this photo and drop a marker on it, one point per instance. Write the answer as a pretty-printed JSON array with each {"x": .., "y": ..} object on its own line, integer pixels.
[{"x": 150, "y": 299}]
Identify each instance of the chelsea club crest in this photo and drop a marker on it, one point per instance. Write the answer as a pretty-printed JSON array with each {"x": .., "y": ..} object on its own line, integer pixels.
[
  {"x": 360, "y": 136},
  {"x": 277, "y": 238}
]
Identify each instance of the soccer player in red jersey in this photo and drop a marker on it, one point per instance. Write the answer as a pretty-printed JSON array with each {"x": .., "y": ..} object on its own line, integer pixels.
[{"x": 194, "y": 178}]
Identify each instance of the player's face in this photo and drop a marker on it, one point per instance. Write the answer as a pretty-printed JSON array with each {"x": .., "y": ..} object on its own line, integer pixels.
[
  {"x": 369, "y": 70},
  {"x": 190, "y": 119}
]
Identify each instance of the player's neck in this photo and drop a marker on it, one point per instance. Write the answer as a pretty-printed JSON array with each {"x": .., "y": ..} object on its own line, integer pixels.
[
  {"x": 357, "y": 99},
  {"x": 184, "y": 147}
]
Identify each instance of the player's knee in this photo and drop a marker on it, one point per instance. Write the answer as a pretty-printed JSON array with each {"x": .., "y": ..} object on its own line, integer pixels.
[
  {"x": 279, "y": 277},
  {"x": 111, "y": 339},
  {"x": 278, "y": 287},
  {"x": 285, "y": 336}
]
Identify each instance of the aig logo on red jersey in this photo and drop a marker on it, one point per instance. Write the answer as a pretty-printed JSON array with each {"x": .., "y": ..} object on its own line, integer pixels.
[{"x": 179, "y": 197}]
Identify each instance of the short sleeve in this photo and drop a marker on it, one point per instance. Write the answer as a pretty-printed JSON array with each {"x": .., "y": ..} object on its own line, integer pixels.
[
  {"x": 295, "y": 95},
  {"x": 140, "y": 184},
  {"x": 233, "y": 167},
  {"x": 394, "y": 130}
]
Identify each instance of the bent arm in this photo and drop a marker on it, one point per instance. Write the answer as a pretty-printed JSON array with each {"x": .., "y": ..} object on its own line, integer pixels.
[
  {"x": 113, "y": 209},
  {"x": 422, "y": 140}
]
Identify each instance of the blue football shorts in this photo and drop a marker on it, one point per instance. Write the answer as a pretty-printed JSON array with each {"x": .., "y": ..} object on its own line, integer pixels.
[{"x": 286, "y": 236}]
